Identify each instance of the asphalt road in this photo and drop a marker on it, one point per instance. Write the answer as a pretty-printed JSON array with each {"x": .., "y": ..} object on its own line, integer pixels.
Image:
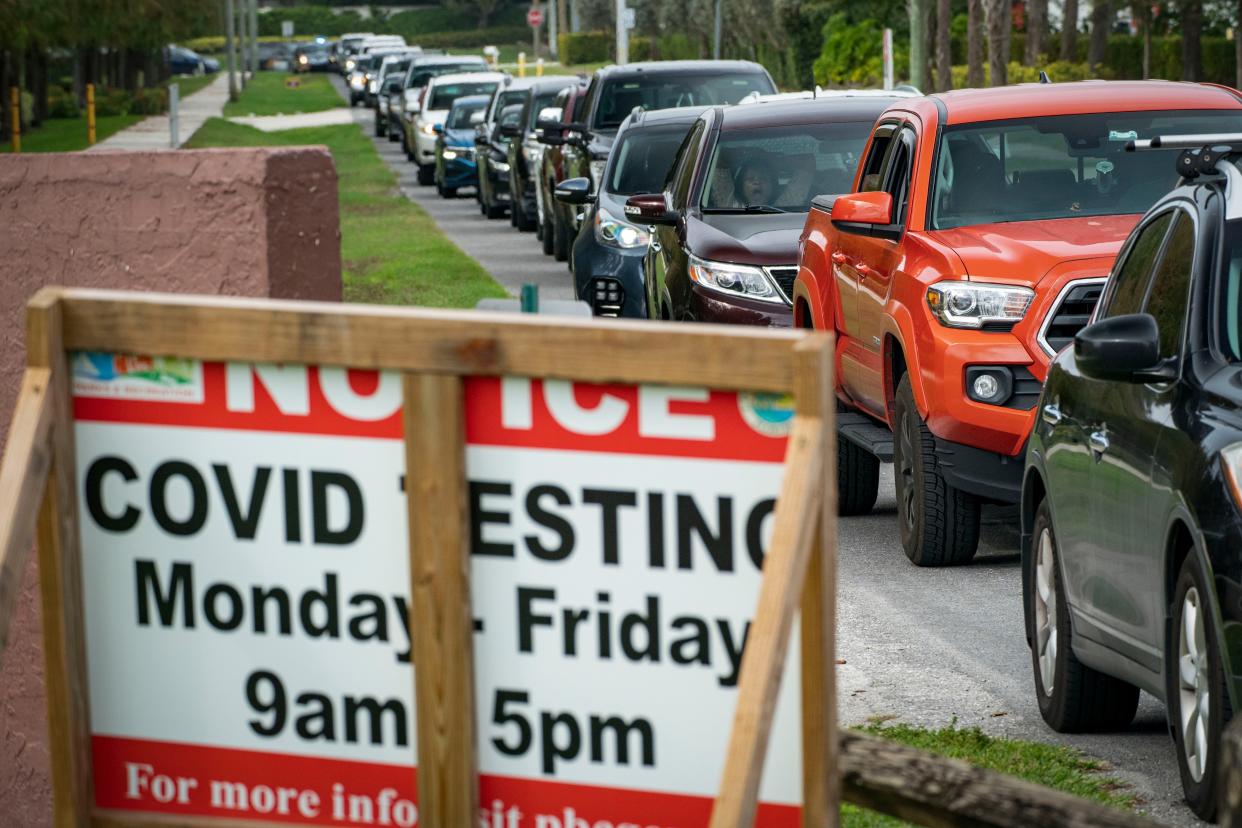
[{"x": 922, "y": 646}]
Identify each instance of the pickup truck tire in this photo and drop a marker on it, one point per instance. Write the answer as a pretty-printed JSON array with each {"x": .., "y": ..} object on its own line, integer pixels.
[
  {"x": 939, "y": 524},
  {"x": 858, "y": 478},
  {"x": 426, "y": 174}
]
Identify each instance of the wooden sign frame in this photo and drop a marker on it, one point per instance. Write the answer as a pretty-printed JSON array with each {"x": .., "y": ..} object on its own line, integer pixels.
[{"x": 435, "y": 350}]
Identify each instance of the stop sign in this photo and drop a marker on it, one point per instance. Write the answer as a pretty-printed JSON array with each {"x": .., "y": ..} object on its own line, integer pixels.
[{"x": 534, "y": 17}]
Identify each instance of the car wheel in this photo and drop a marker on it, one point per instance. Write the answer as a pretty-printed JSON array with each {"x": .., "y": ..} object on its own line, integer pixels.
[
  {"x": 1199, "y": 705},
  {"x": 494, "y": 211},
  {"x": 515, "y": 210},
  {"x": 547, "y": 237},
  {"x": 560, "y": 239},
  {"x": 426, "y": 174},
  {"x": 525, "y": 221},
  {"x": 380, "y": 129},
  {"x": 858, "y": 479},
  {"x": 449, "y": 192},
  {"x": 1072, "y": 697},
  {"x": 939, "y": 524},
  {"x": 440, "y": 188},
  {"x": 393, "y": 136}
]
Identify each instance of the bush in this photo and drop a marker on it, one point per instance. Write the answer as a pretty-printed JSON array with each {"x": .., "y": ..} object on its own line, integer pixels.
[
  {"x": 495, "y": 36},
  {"x": 585, "y": 47},
  {"x": 417, "y": 23},
  {"x": 676, "y": 46},
  {"x": 61, "y": 104},
  {"x": 1124, "y": 56},
  {"x": 853, "y": 55},
  {"x": 316, "y": 20},
  {"x": 111, "y": 102},
  {"x": 150, "y": 101},
  {"x": 804, "y": 23},
  {"x": 1060, "y": 71}
]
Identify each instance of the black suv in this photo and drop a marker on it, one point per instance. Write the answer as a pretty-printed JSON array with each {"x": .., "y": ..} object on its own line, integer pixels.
[
  {"x": 491, "y": 146},
  {"x": 526, "y": 152},
  {"x": 1132, "y": 529}
]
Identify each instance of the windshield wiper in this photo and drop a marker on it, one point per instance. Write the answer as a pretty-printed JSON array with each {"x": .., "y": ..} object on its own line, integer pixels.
[{"x": 749, "y": 208}]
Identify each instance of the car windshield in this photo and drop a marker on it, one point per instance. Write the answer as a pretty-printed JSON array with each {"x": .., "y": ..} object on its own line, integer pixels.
[
  {"x": 1063, "y": 166},
  {"x": 643, "y": 159},
  {"x": 781, "y": 168},
  {"x": 442, "y": 96},
  {"x": 423, "y": 74},
  {"x": 314, "y": 48},
  {"x": 620, "y": 97},
  {"x": 461, "y": 115},
  {"x": 396, "y": 67},
  {"x": 542, "y": 102}
]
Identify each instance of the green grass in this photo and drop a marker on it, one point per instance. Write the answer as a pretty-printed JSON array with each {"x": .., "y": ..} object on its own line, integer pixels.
[
  {"x": 392, "y": 252},
  {"x": 189, "y": 84},
  {"x": 1053, "y": 766},
  {"x": 69, "y": 134},
  {"x": 268, "y": 95}
]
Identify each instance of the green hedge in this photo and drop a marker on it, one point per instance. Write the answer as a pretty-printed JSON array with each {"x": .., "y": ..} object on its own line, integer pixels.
[
  {"x": 585, "y": 47},
  {"x": 309, "y": 21},
  {"x": 1124, "y": 57},
  {"x": 1058, "y": 72},
  {"x": 494, "y": 36}
]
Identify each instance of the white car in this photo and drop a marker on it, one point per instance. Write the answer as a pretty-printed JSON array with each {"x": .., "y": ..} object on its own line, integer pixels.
[{"x": 439, "y": 95}]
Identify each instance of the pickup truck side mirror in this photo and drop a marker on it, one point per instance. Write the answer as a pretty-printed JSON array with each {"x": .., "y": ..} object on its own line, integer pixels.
[
  {"x": 1122, "y": 349},
  {"x": 578, "y": 126},
  {"x": 574, "y": 191},
  {"x": 650, "y": 208},
  {"x": 511, "y": 130},
  {"x": 393, "y": 87},
  {"x": 860, "y": 212},
  {"x": 550, "y": 140}
]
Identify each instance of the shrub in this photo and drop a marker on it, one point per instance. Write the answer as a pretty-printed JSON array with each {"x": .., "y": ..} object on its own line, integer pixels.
[
  {"x": 1060, "y": 71},
  {"x": 61, "y": 104},
  {"x": 495, "y": 36},
  {"x": 585, "y": 47},
  {"x": 852, "y": 55},
  {"x": 111, "y": 102},
  {"x": 150, "y": 101},
  {"x": 804, "y": 23}
]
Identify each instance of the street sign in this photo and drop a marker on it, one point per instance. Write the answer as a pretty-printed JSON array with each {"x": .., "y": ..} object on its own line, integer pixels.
[
  {"x": 286, "y": 28},
  {"x": 534, "y": 17},
  {"x": 631, "y": 20}
]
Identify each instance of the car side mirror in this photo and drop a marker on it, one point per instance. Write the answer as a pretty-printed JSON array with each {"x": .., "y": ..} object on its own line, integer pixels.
[
  {"x": 438, "y": 129},
  {"x": 511, "y": 130},
  {"x": 394, "y": 86},
  {"x": 859, "y": 212},
  {"x": 650, "y": 208},
  {"x": 1121, "y": 348},
  {"x": 578, "y": 126},
  {"x": 550, "y": 140},
  {"x": 574, "y": 191}
]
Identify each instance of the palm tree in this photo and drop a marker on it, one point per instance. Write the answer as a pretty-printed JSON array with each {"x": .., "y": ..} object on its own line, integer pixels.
[
  {"x": 1069, "y": 31},
  {"x": 944, "y": 45},
  {"x": 1000, "y": 27},
  {"x": 974, "y": 43},
  {"x": 1036, "y": 14}
]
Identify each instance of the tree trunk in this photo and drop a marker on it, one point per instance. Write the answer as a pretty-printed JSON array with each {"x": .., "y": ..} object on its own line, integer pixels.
[
  {"x": 40, "y": 86},
  {"x": 1000, "y": 26},
  {"x": 1192, "y": 30},
  {"x": 944, "y": 45},
  {"x": 918, "y": 43},
  {"x": 1069, "y": 31},
  {"x": 1036, "y": 22},
  {"x": 1102, "y": 15},
  {"x": 974, "y": 43},
  {"x": 5, "y": 127}
]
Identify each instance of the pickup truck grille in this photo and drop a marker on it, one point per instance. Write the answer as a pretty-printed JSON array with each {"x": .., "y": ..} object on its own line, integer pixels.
[
  {"x": 784, "y": 278},
  {"x": 1070, "y": 314}
]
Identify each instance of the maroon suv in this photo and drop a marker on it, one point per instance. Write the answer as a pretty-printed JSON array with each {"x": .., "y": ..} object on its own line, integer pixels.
[{"x": 725, "y": 245}]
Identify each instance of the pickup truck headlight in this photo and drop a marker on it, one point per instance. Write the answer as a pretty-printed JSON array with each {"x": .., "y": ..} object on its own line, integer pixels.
[
  {"x": 976, "y": 305},
  {"x": 735, "y": 279},
  {"x": 613, "y": 232}
]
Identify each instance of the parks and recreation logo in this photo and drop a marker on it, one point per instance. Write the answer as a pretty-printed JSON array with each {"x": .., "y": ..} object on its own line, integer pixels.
[
  {"x": 127, "y": 377},
  {"x": 769, "y": 414}
]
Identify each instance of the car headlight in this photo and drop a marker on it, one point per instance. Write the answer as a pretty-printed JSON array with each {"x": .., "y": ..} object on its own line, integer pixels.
[
  {"x": 427, "y": 128},
  {"x": 302, "y": 59},
  {"x": 500, "y": 166},
  {"x": 976, "y": 305},
  {"x": 735, "y": 279},
  {"x": 597, "y": 171},
  {"x": 613, "y": 232},
  {"x": 349, "y": 65},
  {"x": 356, "y": 83},
  {"x": 449, "y": 154}
]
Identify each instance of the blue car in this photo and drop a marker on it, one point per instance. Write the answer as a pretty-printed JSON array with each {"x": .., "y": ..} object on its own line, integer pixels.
[
  {"x": 183, "y": 61},
  {"x": 455, "y": 163}
]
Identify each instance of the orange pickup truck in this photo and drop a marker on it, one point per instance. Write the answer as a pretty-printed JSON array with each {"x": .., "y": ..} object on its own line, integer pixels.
[{"x": 983, "y": 226}]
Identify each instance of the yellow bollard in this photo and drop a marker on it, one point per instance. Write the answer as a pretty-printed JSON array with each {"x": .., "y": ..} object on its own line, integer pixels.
[
  {"x": 539, "y": 67},
  {"x": 15, "y": 95},
  {"x": 90, "y": 114},
  {"x": 521, "y": 64}
]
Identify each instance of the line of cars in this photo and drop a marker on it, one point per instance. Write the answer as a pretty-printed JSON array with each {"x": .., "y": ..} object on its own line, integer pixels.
[{"x": 1015, "y": 323}]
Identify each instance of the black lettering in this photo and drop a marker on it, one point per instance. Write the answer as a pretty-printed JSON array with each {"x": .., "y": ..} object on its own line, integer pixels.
[
  {"x": 695, "y": 648},
  {"x": 180, "y": 587},
  {"x": 403, "y": 613},
  {"x": 244, "y": 525},
  {"x": 284, "y": 612},
  {"x": 650, "y": 624},
  {"x": 572, "y": 619},
  {"x": 655, "y": 529},
  {"x": 754, "y": 530},
  {"x": 549, "y": 520},
  {"x": 733, "y": 649},
  {"x": 605, "y": 625},
  {"x": 94, "y": 494},
  {"x": 376, "y": 618},
  {"x": 690, "y": 522},
  {"x": 277, "y": 706},
  {"x": 319, "y": 723},
  {"x": 375, "y": 711},
  {"x": 527, "y": 619},
  {"x": 479, "y": 516},
  {"x": 293, "y": 507},
  {"x": 198, "y": 498},
  {"x": 331, "y": 625},
  {"x": 236, "y": 613},
  {"x": 621, "y": 731},
  {"x": 321, "y": 481},
  {"x": 609, "y": 502}
]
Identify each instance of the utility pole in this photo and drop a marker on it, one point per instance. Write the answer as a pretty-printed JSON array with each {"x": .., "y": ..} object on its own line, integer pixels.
[
  {"x": 230, "y": 36},
  {"x": 719, "y": 22},
  {"x": 254, "y": 35},
  {"x": 243, "y": 56},
  {"x": 623, "y": 34},
  {"x": 553, "y": 9}
]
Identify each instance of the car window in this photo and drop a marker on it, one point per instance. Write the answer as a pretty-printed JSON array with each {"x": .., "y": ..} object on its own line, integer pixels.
[
  {"x": 442, "y": 96},
  {"x": 622, "y": 96},
  {"x": 539, "y": 104},
  {"x": 1128, "y": 285},
  {"x": 460, "y": 117},
  {"x": 897, "y": 175},
  {"x": 875, "y": 159},
  {"x": 1170, "y": 287},
  {"x": 643, "y": 159},
  {"x": 681, "y": 176},
  {"x": 1060, "y": 166},
  {"x": 781, "y": 168}
]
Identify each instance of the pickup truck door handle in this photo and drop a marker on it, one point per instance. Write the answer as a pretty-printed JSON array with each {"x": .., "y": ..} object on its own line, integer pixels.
[
  {"x": 839, "y": 258},
  {"x": 1052, "y": 414},
  {"x": 1099, "y": 442},
  {"x": 862, "y": 269}
]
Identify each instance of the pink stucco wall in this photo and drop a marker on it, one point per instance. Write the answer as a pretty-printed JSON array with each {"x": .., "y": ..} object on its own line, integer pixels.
[{"x": 241, "y": 222}]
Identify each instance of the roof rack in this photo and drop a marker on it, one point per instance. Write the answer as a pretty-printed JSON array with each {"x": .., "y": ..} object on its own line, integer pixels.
[{"x": 1201, "y": 155}]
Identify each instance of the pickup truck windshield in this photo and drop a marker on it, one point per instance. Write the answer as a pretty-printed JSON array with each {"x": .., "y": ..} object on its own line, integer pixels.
[
  {"x": 619, "y": 97},
  {"x": 780, "y": 169},
  {"x": 1064, "y": 166}
]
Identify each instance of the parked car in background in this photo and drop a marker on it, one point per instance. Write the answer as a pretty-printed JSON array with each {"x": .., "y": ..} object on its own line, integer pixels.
[
  {"x": 183, "y": 61},
  {"x": 616, "y": 91},
  {"x": 347, "y": 48},
  {"x": 455, "y": 165},
  {"x": 439, "y": 95},
  {"x": 525, "y": 151},
  {"x": 275, "y": 57},
  {"x": 557, "y": 218},
  {"x": 388, "y": 83},
  {"x": 608, "y": 257},
  {"x": 974, "y": 246},
  {"x": 422, "y": 69},
  {"x": 380, "y": 67},
  {"x": 368, "y": 63},
  {"x": 312, "y": 57},
  {"x": 492, "y": 147},
  {"x": 725, "y": 247},
  {"x": 1131, "y": 521}
]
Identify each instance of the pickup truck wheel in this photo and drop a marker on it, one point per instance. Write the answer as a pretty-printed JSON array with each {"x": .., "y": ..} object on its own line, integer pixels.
[
  {"x": 939, "y": 524},
  {"x": 858, "y": 479}
]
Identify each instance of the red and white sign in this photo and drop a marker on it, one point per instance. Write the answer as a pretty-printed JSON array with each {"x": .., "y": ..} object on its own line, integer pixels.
[
  {"x": 246, "y": 594},
  {"x": 534, "y": 17}
]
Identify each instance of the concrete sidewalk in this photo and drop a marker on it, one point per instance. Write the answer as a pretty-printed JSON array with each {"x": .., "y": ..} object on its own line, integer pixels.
[
  {"x": 153, "y": 133},
  {"x": 279, "y": 123}
]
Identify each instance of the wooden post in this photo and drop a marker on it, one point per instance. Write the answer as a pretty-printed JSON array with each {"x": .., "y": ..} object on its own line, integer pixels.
[
  {"x": 441, "y": 619},
  {"x": 90, "y": 114},
  {"x": 15, "y": 97},
  {"x": 821, "y": 777},
  {"x": 60, "y": 578}
]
